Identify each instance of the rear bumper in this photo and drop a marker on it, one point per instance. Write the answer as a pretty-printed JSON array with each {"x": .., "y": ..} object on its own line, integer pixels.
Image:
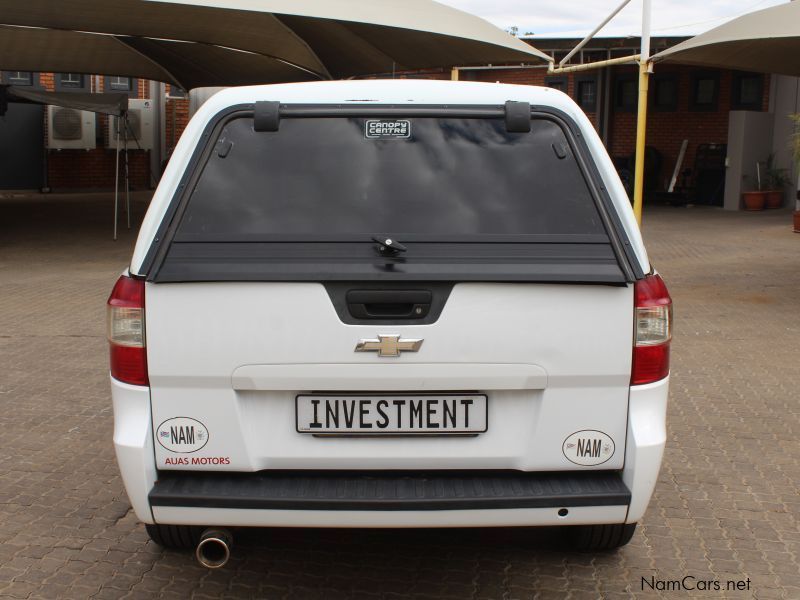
[
  {"x": 346, "y": 499},
  {"x": 320, "y": 490},
  {"x": 390, "y": 499},
  {"x": 270, "y": 500}
]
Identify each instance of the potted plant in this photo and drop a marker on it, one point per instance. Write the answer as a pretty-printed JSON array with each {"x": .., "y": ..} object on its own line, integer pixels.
[
  {"x": 775, "y": 180},
  {"x": 796, "y": 154},
  {"x": 757, "y": 198}
]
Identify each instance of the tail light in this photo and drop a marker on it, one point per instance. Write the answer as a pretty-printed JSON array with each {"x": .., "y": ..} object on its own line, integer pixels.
[
  {"x": 126, "y": 331},
  {"x": 653, "y": 331}
]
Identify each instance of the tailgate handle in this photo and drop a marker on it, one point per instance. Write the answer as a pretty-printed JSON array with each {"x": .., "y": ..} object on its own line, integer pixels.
[{"x": 389, "y": 304}]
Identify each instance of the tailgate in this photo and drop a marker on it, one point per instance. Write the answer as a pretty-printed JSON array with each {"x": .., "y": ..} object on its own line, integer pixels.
[{"x": 552, "y": 360}]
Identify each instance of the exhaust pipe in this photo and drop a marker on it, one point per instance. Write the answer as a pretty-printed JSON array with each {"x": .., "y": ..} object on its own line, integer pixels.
[{"x": 214, "y": 548}]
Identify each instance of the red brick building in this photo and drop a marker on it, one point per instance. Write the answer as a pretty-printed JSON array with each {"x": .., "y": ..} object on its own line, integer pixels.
[
  {"x": 63, "y": 170},
  {"x": 686, "y": 103}
]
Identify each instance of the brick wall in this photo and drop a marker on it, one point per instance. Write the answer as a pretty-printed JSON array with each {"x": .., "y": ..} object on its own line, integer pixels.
[
  {"x": 666, "y": 130},
  {"x": 94, "y": 169}
]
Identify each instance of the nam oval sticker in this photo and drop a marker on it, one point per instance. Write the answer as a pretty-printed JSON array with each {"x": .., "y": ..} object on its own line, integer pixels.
[
  {"x": 182, "y": 435},
  {"x": 588, "y": 447}
]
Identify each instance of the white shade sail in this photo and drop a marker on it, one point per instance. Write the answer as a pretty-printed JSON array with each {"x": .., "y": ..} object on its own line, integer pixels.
[
  {"x": 186, "y": 65},
  {"x": 766, "y": 41},
  {"x": 232, "y": 42}
]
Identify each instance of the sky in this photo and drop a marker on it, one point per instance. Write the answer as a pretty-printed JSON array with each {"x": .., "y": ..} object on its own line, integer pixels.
[{"x": 576, "y": 18}]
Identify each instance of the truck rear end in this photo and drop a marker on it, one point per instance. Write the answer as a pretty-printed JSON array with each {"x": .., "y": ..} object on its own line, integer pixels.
[{"x": 390, "y": 304}]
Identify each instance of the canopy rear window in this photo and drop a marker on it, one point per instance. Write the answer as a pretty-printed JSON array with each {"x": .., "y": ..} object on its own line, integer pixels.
[{"x": 428, "y": 177}]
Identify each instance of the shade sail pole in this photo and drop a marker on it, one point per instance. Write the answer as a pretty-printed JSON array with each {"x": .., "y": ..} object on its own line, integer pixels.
[
  {"x": 127, "y": 171},
  {"x": 641, "y": 115},
  {"x": 116, "y": 184}
]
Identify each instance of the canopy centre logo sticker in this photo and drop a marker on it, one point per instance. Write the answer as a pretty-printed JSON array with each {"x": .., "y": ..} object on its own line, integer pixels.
[
  {"x": 588, "y": 448},
  {"x": 392, "y": 129},
  {"x": 182, "y": 435}
]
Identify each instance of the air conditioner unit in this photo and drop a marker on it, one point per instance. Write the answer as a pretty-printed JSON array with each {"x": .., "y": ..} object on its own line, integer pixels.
[
  {"x": 140, "y": 127},
  {"x": 68, "y": 128}
]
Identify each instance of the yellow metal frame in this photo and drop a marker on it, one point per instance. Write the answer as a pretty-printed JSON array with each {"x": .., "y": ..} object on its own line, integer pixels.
[
  {"x": 641, "y": 136},
  {"x": 622, "y": 60}
]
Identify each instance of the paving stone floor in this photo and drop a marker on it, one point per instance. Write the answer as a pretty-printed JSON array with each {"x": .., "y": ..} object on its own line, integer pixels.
[{"x": 726, "y": 506}]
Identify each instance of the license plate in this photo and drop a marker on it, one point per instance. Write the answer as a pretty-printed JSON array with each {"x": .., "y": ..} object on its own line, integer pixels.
[{"x": 406, "y": 414}]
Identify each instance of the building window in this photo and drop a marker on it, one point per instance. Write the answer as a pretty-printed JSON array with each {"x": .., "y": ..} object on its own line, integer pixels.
[
  {"x": 748, "y": 90},
  {"x": 557, "y": 83},
  {"x": 705, "y": 91},
  {"x": 71, "y": 81},
  {"x": 121, "y": 85},
  {"x": 665, "y": 93},
  {"x": 176, "y": 92},
  {"x": 622, "y": 52},
  {"x": 626, "y": 94},
  {"x": 586, "y": 94},
  {"x": 590, "y": 56},
  {"x": 24, "y": 78}
]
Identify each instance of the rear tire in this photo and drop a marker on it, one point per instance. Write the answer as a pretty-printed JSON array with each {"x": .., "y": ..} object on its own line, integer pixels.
[
  {"x": 177, "y": 537},
  {"x": 597, "y": 538}
]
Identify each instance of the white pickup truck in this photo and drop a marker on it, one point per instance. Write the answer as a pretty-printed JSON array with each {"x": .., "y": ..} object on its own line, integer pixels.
[{"x": 389, "y": 304}]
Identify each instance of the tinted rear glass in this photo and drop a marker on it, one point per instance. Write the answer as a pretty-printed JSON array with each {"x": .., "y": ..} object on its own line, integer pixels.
[{"x": 440, "y": 176}]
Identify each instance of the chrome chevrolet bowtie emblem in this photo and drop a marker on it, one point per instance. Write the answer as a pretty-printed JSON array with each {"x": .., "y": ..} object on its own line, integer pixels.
[{"x": 388, "y": 345}]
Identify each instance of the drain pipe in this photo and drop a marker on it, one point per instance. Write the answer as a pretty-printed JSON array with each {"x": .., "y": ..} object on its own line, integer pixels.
[{"x": 214, "y": 549}]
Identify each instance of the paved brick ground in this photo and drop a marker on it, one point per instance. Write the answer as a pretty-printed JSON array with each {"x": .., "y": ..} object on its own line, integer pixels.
[{"x": 726, "y": 506}]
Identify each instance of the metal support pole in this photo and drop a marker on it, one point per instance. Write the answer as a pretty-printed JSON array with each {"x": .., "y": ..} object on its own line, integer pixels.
[
  {"x": 127, "y": 173},
  {"x": 116, "y": 185},
  {"x": 641, "y": 120},
  {"x": 162, "y": 134},
  {"x": 641, "y": 134}
]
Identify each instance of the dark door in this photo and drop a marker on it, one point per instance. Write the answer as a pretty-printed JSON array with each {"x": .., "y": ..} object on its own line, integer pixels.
[
  {"x": 22, "y": 147},
  {"x": 709, "y": 174}
]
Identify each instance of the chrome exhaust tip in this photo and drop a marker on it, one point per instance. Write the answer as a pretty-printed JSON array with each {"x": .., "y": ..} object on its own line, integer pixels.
[{"x": 214, "y": 549}]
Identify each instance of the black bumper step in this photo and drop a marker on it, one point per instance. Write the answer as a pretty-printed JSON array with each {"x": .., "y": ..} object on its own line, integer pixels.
[{"x": 389, "y": 490}]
